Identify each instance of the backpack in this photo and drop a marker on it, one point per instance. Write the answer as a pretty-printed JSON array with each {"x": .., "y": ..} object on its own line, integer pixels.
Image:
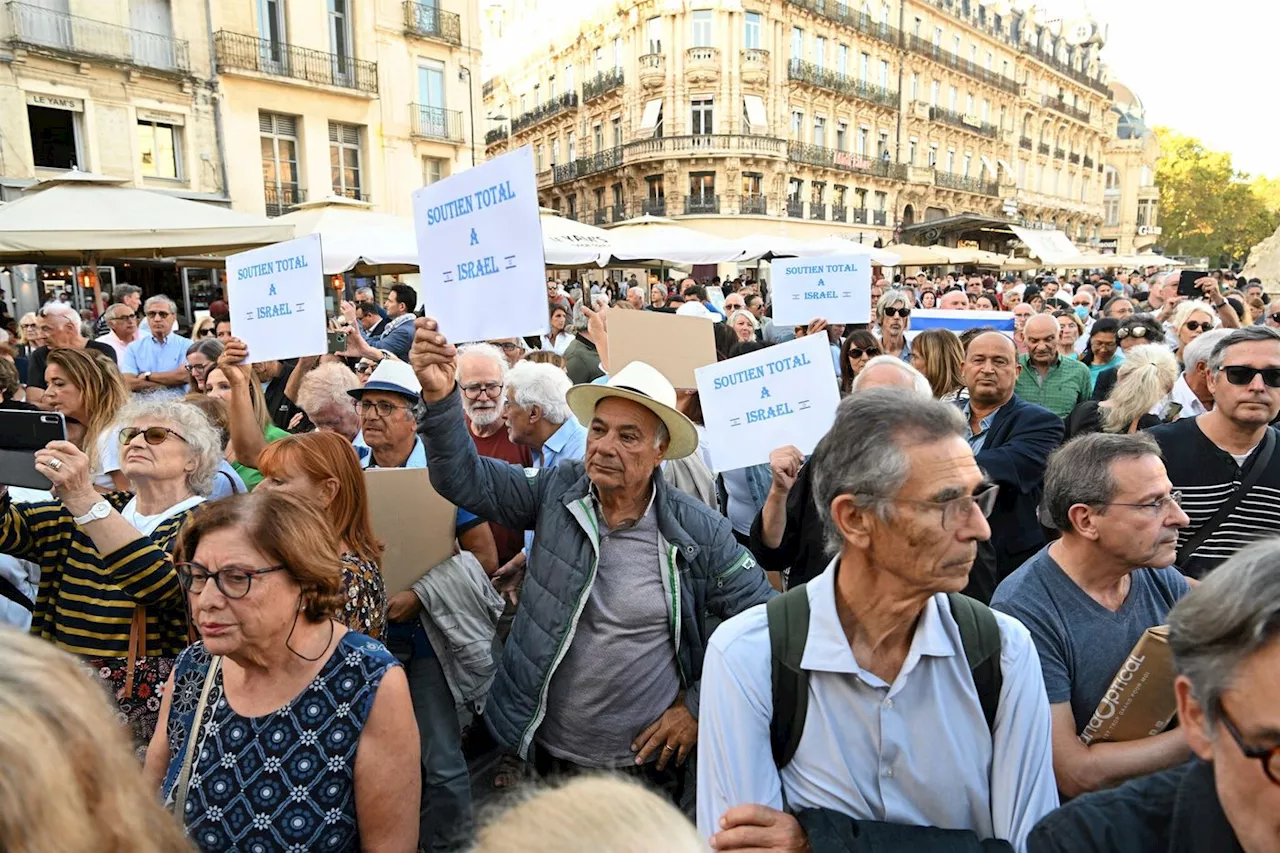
[{"x": 788, "y": 616}]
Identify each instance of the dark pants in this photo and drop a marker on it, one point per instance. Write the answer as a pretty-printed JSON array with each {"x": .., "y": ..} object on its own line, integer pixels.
[
  {"x": 673, "y": 782},
  {"x": 446, "y": 818}
]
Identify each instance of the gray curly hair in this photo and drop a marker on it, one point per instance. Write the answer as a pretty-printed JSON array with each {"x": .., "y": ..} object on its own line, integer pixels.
[{"x": 200, "y": 435}]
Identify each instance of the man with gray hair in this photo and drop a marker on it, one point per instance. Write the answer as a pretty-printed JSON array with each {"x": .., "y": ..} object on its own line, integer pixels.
[
  {"x": 324, "y": 396},
  {"x": 1225, "y": 639},
  {"x": 893, "y": 318},
  {"x": 60, "y": 326},
  {"x": 1191, "y": 390},
  {"x": 155, "y": 363},
  {"x": 1224, "y": 461},
  {"x": 911, "y": 719},
  {"x": 128, "y": 295},
  {"x": 582, "y": 357},
  {"x": 1088, "y": 597}
]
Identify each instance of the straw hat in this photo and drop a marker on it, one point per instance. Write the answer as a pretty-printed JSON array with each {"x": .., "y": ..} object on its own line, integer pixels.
[{"x": 639, "y": 383}]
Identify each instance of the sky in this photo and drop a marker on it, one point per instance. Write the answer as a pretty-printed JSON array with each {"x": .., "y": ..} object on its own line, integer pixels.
[{"x": 1206, "y": 68}]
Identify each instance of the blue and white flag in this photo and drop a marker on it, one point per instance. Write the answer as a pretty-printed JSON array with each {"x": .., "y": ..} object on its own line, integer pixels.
[{"x": 959, "y": 321}]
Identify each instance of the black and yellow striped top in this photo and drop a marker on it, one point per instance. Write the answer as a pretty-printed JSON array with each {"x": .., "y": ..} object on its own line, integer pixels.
[{"x": 86, "y": 600}]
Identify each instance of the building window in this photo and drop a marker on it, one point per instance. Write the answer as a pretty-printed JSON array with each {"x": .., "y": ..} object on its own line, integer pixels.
[
  {"x": 915, "y": 28},
  {"x": 864, "y": 67},
  {"x": 599, "y": 198},
  {"x": 795, "y": 186},
  {"x": 1144, "y": 211},
  {"x": 797, "y": 43},
  {"x": 817, "y": 190},
  {"x": 597, "y": 138},
  {"x": 751, "y": 30},
  {"x": 1111, "y": 211},
  {"x": 937, "y": 36},
  {"x": 654, "y": 188},
  {"x": 538, "y": 157},
  {"x": 954, "y": 97},
  {"x": 433, "y": 170},
  {"x": 933, "y": 156},
  {"x": 340, "y": 40},
  {"x": 820, "y": 132},
  {"x": 968, "y": 103},
  {"x": 700, "y": 122},
  {"x": 617, "y": 53},
  {"x": 951, "y": 161},
  {"x": 55, "y": 137},
  {"x": 797, "y": 126},
  {"x": 884, "y": 74},
  {"x": 702, "y": 187},
  {"x": 864, "y": 136},
  {"x": 568, "y": 78},
  {"x": 934, "y": 88},
  {"x": 279, "y": 138},
  {"x": 838, "y": 193},
  {"x": 882, "y": 200},
  {"x": 986, "y": 111},
  {"x": 842, "y": 59},
  {"x": 617, "y": 195},
  {"x": 860, "y": 195},
  {"x": 915, "y": 85},
  {"x": 820, "y": 52},
  {"x": 1110, "y": 179},
  {"x": 571, "y": 210},
  {"x": 653, "y": 32},
  {"x": 882, "y": 147},
  {"x": 572, "y": 147},
  {"x": 968, "y": 163},
  {"x": 702, "y": 28},
  {"x": 842, "y": 137},
  {"x": 913, "y": 143},
  {"x": 752, "y": 183},
  {"x": 616, "y": 127},
  {"x": 344, "y": 159},
  {"x": 160, "y": 147},
  {"x": 551, "y": 88},
  {"x": 597, "y": 60},
  {"x": 659, "y": 125}
]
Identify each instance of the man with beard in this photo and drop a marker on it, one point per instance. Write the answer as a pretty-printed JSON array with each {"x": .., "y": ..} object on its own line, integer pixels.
[
  {"x": 1089, "y": 597},
  {"x": 482, "y": 376},
  {"x": 1047, "y": 379}
]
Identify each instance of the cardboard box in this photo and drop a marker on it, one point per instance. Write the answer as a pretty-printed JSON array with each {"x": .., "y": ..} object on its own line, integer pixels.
[
  {"x": 674, "y": 346},
  {"x": 416, "y": 525},
  {"x": 1140, "y": 701}
]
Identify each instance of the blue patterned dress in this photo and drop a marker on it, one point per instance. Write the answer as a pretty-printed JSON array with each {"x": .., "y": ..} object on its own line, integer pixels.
[{"x": 283, "y": 782}]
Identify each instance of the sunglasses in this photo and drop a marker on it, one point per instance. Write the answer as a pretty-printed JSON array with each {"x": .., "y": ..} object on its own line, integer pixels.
[
  {"x": 1241, "y": 374},
  {"x": 1197, "y": 326},
  {"x": 1135, "y": 332},
  {"x": 897, "y": 312},
  {"x": 153, "y": 435},
  {"x": 364, "y": 368},
  {"x": 159, "y": 314},
  {"x": 858, "y": 352},
  {"x": 1275, "y": 318},
  {"x": 207, "y": 333}
]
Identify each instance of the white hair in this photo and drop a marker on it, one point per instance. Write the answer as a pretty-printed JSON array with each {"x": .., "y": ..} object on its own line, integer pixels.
[
  {"x": 919, "y": 382},
  {"x": 541, "y": 385},
  {"x": 62, "y": 310},
  {"x": 1183, "y": 313},
  {"x": 1198, "y": 351},
  {"x": 755, "y": 324},
  {"x": 157, "y": 299},
  {"x": 201, "y": 438},
  {"x": 488, "y": 351}
]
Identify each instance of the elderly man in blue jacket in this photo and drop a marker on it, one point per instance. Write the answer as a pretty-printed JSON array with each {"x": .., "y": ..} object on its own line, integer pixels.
[{"x": 604, "y": 662}]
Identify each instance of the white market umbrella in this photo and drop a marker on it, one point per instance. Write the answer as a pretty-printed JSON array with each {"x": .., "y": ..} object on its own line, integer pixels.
[
  {"x": 834, "y": 245},
  {"x": 768, "y": 246},
  {"x": 83, "y": 217},
  {"x": 655, "y": 238},
  {"x": 355, "y": 239},
  {"x": 968, "y": 256},
  {"x": 569, "y": 243},
  {"x": 916, "y": 256}
]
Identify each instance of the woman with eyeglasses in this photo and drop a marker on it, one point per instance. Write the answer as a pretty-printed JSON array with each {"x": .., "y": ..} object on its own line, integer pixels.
[
  {"x": 89, "y": 391},
  {"x": 1145, "y": 378},
  {"x": 281, "y": 711},
  {"x": 205, "y": 327},
  {"x": 107, "y": 581},
  {"x": 938, "y": 354},
  {"x": 1070, "y": 328},
  {"x": 1190, "y": 321},
  {"x": 1101, "y": 351},
  {"x": 202, "y": 356},
  {"x": 860, "y": 346},
  {"x": 251, "y": 428}
]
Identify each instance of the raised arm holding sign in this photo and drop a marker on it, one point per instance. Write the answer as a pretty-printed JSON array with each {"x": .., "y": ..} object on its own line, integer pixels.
[
  {"x": 837, "y": 287},
  {"x": 276, "y": 298}
]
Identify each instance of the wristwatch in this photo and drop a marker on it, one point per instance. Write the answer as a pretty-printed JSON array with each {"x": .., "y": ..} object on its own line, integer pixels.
[
  {"x": 146, "y": 376},
  {"x": 97, "y": 512}
]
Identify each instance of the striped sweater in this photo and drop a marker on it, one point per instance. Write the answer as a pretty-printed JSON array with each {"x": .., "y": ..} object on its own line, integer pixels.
[{"x": 86, "y": 600}]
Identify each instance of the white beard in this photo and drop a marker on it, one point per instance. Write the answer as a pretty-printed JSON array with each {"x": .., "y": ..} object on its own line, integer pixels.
[{"x": 484, "y": 417}]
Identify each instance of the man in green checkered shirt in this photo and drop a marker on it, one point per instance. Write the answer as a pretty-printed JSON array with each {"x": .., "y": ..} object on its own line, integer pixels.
[{"x": 1047, "y": 379}]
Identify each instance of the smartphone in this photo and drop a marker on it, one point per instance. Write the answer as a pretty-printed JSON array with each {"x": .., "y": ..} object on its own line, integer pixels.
[
  {"x": 337, "y": 342},
  {"x": 1187, "y": 283},
  {"x": 1171, "y": 412},
  {"x": 22, "y": 433}
]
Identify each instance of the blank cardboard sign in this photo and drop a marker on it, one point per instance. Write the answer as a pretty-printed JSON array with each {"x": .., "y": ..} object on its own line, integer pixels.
[
  {"x": 415, "y": 524},
  {"x": 675, "y": 346}
]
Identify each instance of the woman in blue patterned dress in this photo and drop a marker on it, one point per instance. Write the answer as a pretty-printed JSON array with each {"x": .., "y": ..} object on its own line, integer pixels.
[{"x": 306, "y": 739}]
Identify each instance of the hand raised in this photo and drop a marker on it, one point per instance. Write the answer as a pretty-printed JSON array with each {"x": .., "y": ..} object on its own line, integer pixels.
[{"x": 434, "y": 360}]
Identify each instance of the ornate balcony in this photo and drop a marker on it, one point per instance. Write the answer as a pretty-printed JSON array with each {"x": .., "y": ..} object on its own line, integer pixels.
[
  {"x": 654, "y": 207},
  {"x": 1043, "y": 148},
  {"x": 1059, "y": 105},
  {"x": 498, "y": 134},
  {"x": 859, "y": 216},
  {"x": 432, "y": 22},
  {"x": 653, "y": 70},
  {"x": 795, "y": 208},
  {"x": 1073, "y": 157},
  {"x": 839, "y": 213},
  {"x": 970, "y": 69},
  {"x": 841, "y": 13},
  {"x": 744, "y": 145},
  {"x": 602, "y": 84},
  {"x": 756, "y": 205},
  {"x": 702, "y": 65},
  {"x": 45, "y": 29},
  {"x": 842, "y": 84},
  {"x": 610, "y": 158},
  {"x": 880, "y": 217},
  {"x": 753, "y": 65},
  {"x": 1088, "y": 162},
  {"x": 1075, "y": 74},
  {"x": 235, "y": 51},
  {"x": 817, "y": 210},
  {"x": 1025, "y": 143},
  {"x": 830, "y": 158},
  {"x": 544, "y": 111},
  {"x": 1059, "y": 154},
  {"x": 702, "y": 204},
  {"x": 960, "y": 121},
  {"x": 947, "y": 180},
  {"x": 281, "y": 199},
  {"x": 426, "y": 122}
]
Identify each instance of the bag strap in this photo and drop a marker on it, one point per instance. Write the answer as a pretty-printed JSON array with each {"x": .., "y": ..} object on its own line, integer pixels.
[
  {"x": 137, "y": 647},
  {"x": 980, "y": 637},
  {"x": 1260, "y": 463},
  {"x": 788, "y": 616},
  {"x": 184, "y": 776},
  {"x": 11, "y": 592},
  {"x": 230, "y": 481}
]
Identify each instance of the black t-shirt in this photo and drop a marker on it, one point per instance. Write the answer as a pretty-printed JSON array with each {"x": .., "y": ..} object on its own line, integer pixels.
[
  {"x": 1207, "y": 476},
  {"x": 1086, "y": 417},
  {"x": 282, "y": 409},
  {"x": 35, "y": 369}
]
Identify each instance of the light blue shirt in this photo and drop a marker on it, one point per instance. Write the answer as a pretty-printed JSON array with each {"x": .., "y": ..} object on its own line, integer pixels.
[
  {"x": 917, "y": 751},
  {"x": 979, "y": 438},
  {"x": 227, "y": 482},
  {"x": 148, "y": 355},
  {"x": 568, "y": 442},
  {"x": 417, "y": 456}
]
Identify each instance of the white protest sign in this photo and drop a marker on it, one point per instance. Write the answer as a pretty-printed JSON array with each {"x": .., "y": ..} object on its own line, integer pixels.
[
  {"x": 276, "y": 298},
  {"x": 480, "y": 251},
  {"x": 752, "y": 404},
  {"x": 836, "y": 288}
]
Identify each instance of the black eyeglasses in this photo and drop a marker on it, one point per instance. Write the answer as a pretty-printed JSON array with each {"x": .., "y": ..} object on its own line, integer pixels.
[
  {"x": 1197, "y": 326},
  {"x": 1269, "y": 756},
  {"x": 1242, "y": 374},
  {"x": 207, "y": 333},
  {"x": 382, "y": 407},
  {"x": 897, "y": 312},
  {"x": 231, "y": 582},
  {"x": 1135, "y": 332},
  {"x": 153, "y": 435},
  {"x": 858, "y": 352},
  {"x": 958, "y": 509},
  {"x": 474, "y": 390}
]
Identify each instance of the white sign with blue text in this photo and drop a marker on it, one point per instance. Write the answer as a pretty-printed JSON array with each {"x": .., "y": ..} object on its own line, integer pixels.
[
  {"x": 836, "y": 288},
  {"x": 276, "y": 298},
  {"x": 480, "y": 251},
  {"x": 752, "y": 404}
]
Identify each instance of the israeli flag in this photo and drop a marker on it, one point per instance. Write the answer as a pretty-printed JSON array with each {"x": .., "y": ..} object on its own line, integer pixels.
[{"x": 960, "y": 321}]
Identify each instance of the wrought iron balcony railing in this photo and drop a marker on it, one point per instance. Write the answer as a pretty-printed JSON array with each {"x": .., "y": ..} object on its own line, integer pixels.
[
  {"x": 795, "y": 208},
  {"x": 421, "y": 19},
  {"x": 544, "y": 111},
  {"x": 278, "y": 59},
  {"x": 498, "y": 134},
  {"x": 842, "y": 84},
  {"x": 38, "y": 27},
  {"x": 966, "y": 67},
  {"x": 602, "y": 84},
  {"x": 753, "y": 204},
  {"x": 1060, "y": 105},
  {"x": 964, "y": 122},
  {"x": 435, "y": 123},
  {"x": 830, "y": 158},
  {"x": 959, "y": 182},
  {"x": 702, "y": 204},
  {"x": 280, "y": 199}
]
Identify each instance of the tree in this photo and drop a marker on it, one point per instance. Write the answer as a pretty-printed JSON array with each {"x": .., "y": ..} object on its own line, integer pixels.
[{"x": 1207, "y": 208}]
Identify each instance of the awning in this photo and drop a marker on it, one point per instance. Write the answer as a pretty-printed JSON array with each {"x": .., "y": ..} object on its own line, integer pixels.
[
  {"x": 652, "y": 110},
  {"x": 755, "y": 114},
  {"x": 1049, "y": 244},
  {"x": 986, "y": 163},
  {"x": 1004, "y": 164}
]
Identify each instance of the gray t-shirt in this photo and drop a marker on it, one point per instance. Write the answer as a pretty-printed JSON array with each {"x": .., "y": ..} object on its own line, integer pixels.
[
  {"x": 619, "y": 674},
  {"x": 1081, "y": 643}
]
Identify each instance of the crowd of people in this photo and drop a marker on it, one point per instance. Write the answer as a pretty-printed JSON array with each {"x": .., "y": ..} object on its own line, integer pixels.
[{"x": 896, "y": 641}]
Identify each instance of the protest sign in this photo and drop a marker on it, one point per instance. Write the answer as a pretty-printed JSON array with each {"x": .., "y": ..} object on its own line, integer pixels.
[
  {"x": 416, "y": 525},
  {"x": 958, "y": 321},
  {"x": 1140, "y": 701},
  {"x": 674, "y": 346},
  {"x": 480, "y": 251},
  {"x": 836, "y": 288},
  {"x": 276, "y": 298},
  {"x": 752, "y": 404}
]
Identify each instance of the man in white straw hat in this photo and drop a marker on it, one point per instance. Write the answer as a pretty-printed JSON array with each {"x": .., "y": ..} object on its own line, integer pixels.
[{"x": 604, "y": 662}]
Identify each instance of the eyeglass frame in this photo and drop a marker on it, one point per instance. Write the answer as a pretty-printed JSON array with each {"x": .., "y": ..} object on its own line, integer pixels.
[
  {"x": 476, "y": 390},
  {"x": 859, "y": 352},
  {"x": 162, "y": 315},
  {"x": 1160, "y": 504},
  {"x": 1135, "y": 332},
  {"x": 189, "y": 583},
  {"x": 143, "y": 432},
  {"x": 1264, "y": 755},
  {"x": 1198, "y": 326},
  {"x": 891, "y": 311},
  {"x": 363, "y": 407},
  {"x": 986, "y": 488},
  {"x": 1254, "y": 373}
]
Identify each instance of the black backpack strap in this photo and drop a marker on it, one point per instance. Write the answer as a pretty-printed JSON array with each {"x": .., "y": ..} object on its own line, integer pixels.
[
  {"x": 1260, "y": 463},
  {"x": 980, "y": 635},
  {"x": 11, "y": 592},
  {"x": 788, "y": 616}
]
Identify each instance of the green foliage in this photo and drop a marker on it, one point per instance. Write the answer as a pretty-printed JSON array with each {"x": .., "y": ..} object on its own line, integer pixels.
[{"x": 1207, "y": 208}]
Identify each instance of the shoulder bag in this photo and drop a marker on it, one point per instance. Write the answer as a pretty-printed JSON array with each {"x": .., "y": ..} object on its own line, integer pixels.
[
  {"x": 1260, "y": 463},
  {"x": 188, "y": 754}
]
